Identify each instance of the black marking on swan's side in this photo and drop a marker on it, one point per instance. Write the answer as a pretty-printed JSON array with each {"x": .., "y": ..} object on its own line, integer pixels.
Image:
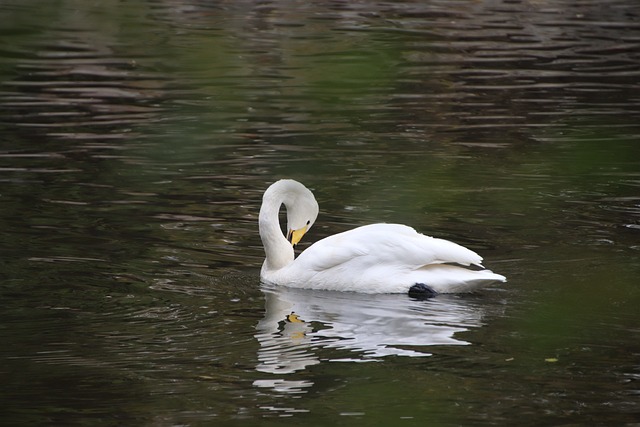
[{"x": 421, "y": 291}]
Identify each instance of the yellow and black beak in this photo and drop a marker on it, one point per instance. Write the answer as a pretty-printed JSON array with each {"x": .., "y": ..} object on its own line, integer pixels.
[{"x": 294, "y": 236}]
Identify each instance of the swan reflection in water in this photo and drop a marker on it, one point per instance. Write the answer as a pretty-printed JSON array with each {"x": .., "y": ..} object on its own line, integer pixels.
[{"x": 300, "y": 323}]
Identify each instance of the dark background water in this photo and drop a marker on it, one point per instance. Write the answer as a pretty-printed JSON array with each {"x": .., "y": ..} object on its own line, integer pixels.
[{"x": 136, "y": 139}]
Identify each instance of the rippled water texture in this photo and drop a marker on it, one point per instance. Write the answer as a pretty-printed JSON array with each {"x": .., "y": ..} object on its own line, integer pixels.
[{"x": 136, "y": 139}]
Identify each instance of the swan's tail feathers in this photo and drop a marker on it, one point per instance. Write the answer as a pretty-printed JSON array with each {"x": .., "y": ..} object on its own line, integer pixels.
[{"x": 446, "y": 279}]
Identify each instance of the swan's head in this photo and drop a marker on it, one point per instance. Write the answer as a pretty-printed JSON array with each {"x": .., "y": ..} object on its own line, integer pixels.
[
  {"x": 302, "y": 211},
  {"x": 302, "y": 208}
]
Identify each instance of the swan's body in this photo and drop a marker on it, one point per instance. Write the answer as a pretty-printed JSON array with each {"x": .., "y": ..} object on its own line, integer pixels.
[{"x": 377, "y": 258}]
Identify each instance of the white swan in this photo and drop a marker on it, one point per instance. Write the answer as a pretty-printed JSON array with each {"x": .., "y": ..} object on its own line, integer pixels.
[{"x": 377, "y": 258}]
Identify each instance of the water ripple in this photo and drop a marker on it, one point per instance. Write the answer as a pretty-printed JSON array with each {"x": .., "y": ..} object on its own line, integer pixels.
[{"x": 75, "y": 84}]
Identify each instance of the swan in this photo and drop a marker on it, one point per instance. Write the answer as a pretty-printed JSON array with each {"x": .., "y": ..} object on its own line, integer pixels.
[{"x": 372, "y": 259}]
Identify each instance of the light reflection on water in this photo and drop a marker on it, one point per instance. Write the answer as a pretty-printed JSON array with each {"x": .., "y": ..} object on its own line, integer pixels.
[
  {"x": 299, "y": 322},
  {"x": 136, "y": 141}
]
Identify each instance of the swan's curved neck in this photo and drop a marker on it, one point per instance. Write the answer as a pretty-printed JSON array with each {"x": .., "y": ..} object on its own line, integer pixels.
[{"x": 278, "y": 251}]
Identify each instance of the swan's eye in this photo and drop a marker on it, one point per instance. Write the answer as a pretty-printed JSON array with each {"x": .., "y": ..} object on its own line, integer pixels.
[{"x": 308, "y": 222}]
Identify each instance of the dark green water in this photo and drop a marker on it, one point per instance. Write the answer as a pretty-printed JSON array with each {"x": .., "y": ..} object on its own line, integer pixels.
[{"x": 136, "y": 139}]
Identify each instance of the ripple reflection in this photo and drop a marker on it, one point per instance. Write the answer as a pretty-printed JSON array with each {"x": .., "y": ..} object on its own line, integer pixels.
[
  {"x": 299, "y": 324},
  {"x": 78, "y": 89}
]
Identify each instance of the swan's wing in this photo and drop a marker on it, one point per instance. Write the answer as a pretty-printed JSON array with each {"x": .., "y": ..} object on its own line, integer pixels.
[{"x": 384, "y": 244}]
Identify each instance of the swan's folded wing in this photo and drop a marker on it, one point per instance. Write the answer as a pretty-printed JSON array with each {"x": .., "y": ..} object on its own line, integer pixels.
[
  {"x": 383, "y": 244},
  {"x": 331, "y": 252}
]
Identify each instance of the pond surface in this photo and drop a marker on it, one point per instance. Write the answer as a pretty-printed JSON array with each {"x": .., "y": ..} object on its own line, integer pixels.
[{"x": 136, "y": 139}]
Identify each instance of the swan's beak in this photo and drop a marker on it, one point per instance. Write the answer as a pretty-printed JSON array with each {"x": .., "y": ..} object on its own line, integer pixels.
[{"x": 294, "y": 236}]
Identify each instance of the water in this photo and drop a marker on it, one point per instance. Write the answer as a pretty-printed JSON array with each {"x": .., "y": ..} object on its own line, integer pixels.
[{"x": 136, "y": 140}]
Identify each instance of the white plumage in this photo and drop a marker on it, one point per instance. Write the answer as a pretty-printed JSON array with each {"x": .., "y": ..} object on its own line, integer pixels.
[{"x": 377, "y": 258}]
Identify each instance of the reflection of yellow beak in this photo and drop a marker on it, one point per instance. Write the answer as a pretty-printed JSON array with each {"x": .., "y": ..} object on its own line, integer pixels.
[
  {"x": 294, "y": 236},
  {"x": 294, "y": 318}
]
